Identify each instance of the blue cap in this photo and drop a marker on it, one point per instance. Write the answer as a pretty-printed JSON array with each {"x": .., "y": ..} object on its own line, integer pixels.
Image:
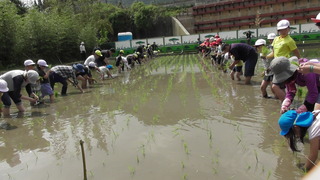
[
  {"x": 78, "y": 67},
  {"x": 109, "y": 66},
  {"x": 291, "y": 117}
]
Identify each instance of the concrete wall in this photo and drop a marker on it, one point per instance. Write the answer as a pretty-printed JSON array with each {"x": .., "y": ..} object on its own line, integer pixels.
[{"x": 177, "y": 28}]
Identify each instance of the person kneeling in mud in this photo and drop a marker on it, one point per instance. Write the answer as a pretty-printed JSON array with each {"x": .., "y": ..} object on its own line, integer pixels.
[{"x": 294, "y": 127}]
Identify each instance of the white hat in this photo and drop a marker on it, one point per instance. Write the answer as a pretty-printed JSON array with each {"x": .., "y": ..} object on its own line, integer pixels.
[
  {"x": 272, "y": 36},
  {"x": 28, "y": 62},
  {"x": 82, "y": 42},
  {"x": 317, "y": 19},
  {"x": 260, "y": 42},
  {"x": 3, "y": 86},
  {"x": 42, "y": 62},
  {"x": 92, "y": 64},
  {"x": 32, "y": 76},
  {"x": 283, "y": 24},
  {"x": 211, "y": 39}
]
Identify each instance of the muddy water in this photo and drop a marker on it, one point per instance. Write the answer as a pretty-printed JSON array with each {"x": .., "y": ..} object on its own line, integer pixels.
[{"x": 173, "y": 118}]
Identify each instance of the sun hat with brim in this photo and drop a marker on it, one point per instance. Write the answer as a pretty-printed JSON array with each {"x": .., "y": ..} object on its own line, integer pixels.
[
  {"x": 32, "y": 76},
  {"x": 282, "y": 69},
  {"x": 78, "y": 67},
  {"x": 3, "y": 86},
  {"x": 283, "y": 24},
  {"x": 317, "y": 19},
  {"x": 291, "y": 118}
]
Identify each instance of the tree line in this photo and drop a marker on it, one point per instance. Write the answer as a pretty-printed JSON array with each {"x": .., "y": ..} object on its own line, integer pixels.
[{"x": 53, "y": 29}]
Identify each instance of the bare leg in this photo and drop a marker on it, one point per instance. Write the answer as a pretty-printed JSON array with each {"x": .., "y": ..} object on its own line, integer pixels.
[
  {"x": 247, "y": 80},
  {"x": 238, "y": 74},
  {"x": 263, "y": 88},
  {"x": 21, "y": 108},
  {"x": 232, "y": 75},
  {"x": 6, "y": 111},
  {"x": 280, "y": 93}
]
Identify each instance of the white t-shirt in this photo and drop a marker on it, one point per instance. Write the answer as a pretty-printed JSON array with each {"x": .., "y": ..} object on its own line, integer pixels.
[
  {"x": 91, "y": 58},
  {"x": 314, "y": 129}
]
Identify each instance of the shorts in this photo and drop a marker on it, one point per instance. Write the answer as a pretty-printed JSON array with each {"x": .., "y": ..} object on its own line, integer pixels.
[
  {"x": 46, "y": 90},
  {"x": 281, "y": 85},
  {"x": 268, "y": 78},
  {"x": 250, "y": 63},
  {"x": 237, "y": 69},
  {"x": 7, "y": 101}
]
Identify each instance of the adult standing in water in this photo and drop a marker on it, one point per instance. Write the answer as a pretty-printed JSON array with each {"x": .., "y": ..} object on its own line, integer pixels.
[
  {"x": 244, "y": 52},
  {"x": 83, "y": 53},
  {"x": 16, "y": 80}
]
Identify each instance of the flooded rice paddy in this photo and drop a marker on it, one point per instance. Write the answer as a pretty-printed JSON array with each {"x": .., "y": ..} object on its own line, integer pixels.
[{"x": 175, "y": 117}]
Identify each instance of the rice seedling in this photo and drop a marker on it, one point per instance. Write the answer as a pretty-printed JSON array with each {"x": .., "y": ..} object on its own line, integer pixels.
[
  {"x": 138, "y": 159},
  {"x": 9, "y": 176},
  {"x": 269, "y": 174},
  {"x": 256, "y": 155},
  {"x": 143, "y": 150},
  {"x": 186, "y": 149},
  {"x": 184, "y": 177},
  {"x": 176, "y": 131},
  {"x": 132, "y": 170},
  {"x": 182, "y": 165},
  {"x": 91, "y": 174},
  {"x": 155, "y": 119}
]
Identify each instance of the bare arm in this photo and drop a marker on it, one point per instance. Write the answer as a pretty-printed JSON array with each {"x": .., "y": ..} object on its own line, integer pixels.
[
  {"x": 296, "y": 53},
  {"x": 314, "y": 148}
]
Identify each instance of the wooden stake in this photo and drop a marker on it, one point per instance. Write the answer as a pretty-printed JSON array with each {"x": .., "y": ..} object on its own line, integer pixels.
[{"x": 84, "y": 161}]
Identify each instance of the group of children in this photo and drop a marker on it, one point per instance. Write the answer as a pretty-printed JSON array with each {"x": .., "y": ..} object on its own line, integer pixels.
[
  {"x": 283, "y": 73},
  {"x": 39, "y": 79}
]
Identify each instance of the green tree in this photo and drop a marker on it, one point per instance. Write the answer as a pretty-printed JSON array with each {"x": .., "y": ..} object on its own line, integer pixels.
[
  {"x": 8, "y": 26},
  {"x": 121, "y": 21}
]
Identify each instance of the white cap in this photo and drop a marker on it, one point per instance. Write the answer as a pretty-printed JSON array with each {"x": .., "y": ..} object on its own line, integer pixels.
[
  {"x": 92, "y": 64},
  {"x": 28, "y": 62},
  {"x": 82, "y": 42},
  {"x": 283, "y": 24},
  {"x": 260, "y": 42},
  {"x": 211, "y": 39},
  {"x": 3, "y": 86},
  {"x": 32, "y": 76},
  {"x": 42, "y": 62},
  {"x": 272, "y": 36}
]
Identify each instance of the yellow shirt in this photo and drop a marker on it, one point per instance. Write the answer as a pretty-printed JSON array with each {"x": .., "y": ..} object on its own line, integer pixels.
[
  {"x": 240, "y": 63},
  {"x": 283, "y": 46}
]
